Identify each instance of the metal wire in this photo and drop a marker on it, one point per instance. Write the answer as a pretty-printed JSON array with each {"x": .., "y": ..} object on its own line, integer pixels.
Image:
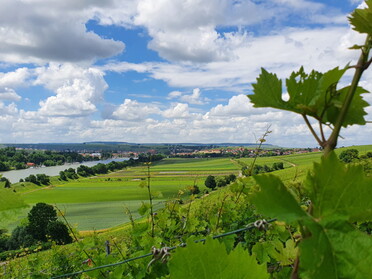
[{"x": 248, "y": 227}]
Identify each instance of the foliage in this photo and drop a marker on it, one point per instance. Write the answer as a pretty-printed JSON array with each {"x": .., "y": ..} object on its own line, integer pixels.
[
  {"x": 317, "y": 235},
  {"x": 192, "y": 262},
  {"x": 39, "y": 217},
  {"x": 338, "y": 196},
  {"x": 194, "y": 190},
  {"x": 210, "y": 182},
  {"x": 38, "y": 179},
  {"x": 12, "y": 158},
  {"x": 58, "y": 232},
  {"x": 62, "y": 175},
  {"x": 32, "y": 178},
  {"x": 347, "y": 156},
  {"x": 20, "y": 237},
  {"x": 5, "y": 181},
  {"x": 316, "y": 94},
  {"x": 328, "y": 232},
  {"x": 257, "y": 169}
]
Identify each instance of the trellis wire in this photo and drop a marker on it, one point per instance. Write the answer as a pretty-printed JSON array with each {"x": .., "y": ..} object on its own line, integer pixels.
[{"x": 248, "y": 227}]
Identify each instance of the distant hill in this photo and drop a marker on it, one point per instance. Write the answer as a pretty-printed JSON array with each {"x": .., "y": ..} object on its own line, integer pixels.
[
  {"x": 106, "y": 142},
  {"x": 116, "y": 146}
]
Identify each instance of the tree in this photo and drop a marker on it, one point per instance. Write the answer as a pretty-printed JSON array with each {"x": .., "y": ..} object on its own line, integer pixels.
[
  {"x": 3, "y": 240},
  {"x": 221, "y": 181},
  {"x": 347, "y": 156},
  {"x": 20, "y": 237},
  {"x": 58, "y": 232},
  {"x": 231, "y": 178},
  {"x": 210, "y": 182},
  {"x": 7, "y": 182},
  {"x": 194, "y": 190},
  {"x": 100, "y": 168},
  {"x": 32, "y": 178},
  {"x": 62, "y": 175},
  {"x": 278, "y": 166},
  {"x": 43, "y": 179},
  {"x": 39, "y": 217},
  {"x": 71, "y": 173},
  {"x": 3, "y": 167},
  {"x": 266, "y": 168}
]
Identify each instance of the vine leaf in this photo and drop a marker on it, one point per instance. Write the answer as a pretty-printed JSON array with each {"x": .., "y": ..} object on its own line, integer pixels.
[
  {"x": 340, "y": 195},
  {"x": 275, "y": 200},
  {"x": 210, "y": 260},
  {"x": 313, "y": 94},
  {"x": 361, "y": 19},
  {"x": 284, "y": 253},
  {"x": 301, "y": 88},
  {"x": 144, "y": 209},
  {"x": 268, "y": 91},
  {"x": 317, "y": 256},
  {"x": 336, "y": 250},
  {"x": 337, "y": 190},
  {"x": 356, "y": 110}
]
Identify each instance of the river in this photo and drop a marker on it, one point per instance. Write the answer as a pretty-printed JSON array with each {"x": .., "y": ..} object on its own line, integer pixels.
[{"x": 15, "y": 175}]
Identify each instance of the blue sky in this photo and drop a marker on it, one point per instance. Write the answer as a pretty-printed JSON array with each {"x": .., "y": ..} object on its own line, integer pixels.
[{"x": 163, "y": 71}]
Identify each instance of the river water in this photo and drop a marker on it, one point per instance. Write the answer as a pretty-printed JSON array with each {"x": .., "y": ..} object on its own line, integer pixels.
[{"x": 15, "y": 175}]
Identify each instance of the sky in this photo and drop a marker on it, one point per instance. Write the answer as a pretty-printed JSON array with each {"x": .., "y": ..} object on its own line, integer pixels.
[{"x": 164, "y": 71}]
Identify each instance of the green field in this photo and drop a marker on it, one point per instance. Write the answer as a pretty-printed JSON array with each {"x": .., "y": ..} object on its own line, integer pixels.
[{"x": 101, "y": 202}]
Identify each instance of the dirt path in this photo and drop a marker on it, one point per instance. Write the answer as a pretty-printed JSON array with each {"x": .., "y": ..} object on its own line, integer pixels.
[{"x": 289, "y": 162}]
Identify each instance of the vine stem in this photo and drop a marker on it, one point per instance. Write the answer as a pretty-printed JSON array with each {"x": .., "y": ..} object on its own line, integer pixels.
[
  {"x": 361, "y": 66},
  {"x": 261, "y": 140},
  {"x": 312, "y": 130},
  {"x": 150, "y": 200},
  {"x": 76, "y": 239},
  {"x": 220, "y": 212}
]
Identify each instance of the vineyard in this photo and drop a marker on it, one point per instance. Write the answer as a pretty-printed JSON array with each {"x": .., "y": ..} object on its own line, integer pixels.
[{"x": 311, "y": 219}]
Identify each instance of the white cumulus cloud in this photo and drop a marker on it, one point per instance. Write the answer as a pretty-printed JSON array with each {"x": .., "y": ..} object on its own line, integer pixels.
[{"x": 9, "y": 94}]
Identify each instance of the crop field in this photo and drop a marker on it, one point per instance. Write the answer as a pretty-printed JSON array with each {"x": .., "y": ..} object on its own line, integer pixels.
[{"x": 102, "y": 202}]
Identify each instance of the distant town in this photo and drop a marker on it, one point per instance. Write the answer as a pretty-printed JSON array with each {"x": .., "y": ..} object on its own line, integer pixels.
[{"x": 105, "y": 150}]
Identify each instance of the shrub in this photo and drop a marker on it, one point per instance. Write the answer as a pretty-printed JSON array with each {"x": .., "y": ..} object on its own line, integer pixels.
[
  {"x": 349, "y": 155},
  {"x": 210, "y": 182},
  {"x": 39, "y": 217},
  {"x": 58, "y": 232}
]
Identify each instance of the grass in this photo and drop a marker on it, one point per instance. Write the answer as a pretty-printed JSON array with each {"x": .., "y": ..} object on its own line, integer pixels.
[{"x": 99, "y": 202}]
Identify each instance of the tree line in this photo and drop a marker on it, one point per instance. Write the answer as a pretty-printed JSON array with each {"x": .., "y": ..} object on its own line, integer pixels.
[
  {"x": 11, "y": 158},
  {"x": 100, "y": 168}
]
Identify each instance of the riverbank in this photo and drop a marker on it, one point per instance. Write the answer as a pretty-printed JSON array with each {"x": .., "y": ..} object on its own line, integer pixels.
[{"x": 15, "y": 175}]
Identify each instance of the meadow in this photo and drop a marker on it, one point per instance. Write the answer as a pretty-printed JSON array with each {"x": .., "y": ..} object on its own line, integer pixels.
[{"x": 103, "y": 201}]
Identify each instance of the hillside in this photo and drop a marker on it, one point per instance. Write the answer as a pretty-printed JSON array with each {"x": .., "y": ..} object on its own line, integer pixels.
[{"x": 182, "y": 216}]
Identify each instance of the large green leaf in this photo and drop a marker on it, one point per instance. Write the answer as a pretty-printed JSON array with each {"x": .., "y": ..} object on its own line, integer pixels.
[
  {"x": 317, "y": 257},
  {"x": 210, "y": 260},
  {"x": 313, "y": 94},
  {"x": 356, "y": 111},
  {"x": 275, "y": 200},
  {"x": 361, "y": 19},
  {"x": 353, "y": 252},
  {"x": 335, "y": 250},
  {"x": 268, "y": 91},
  {"x": 337, "y": 191},
  {"x": 326, "y": 93},
  {"x": 301, "y": 90}
]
